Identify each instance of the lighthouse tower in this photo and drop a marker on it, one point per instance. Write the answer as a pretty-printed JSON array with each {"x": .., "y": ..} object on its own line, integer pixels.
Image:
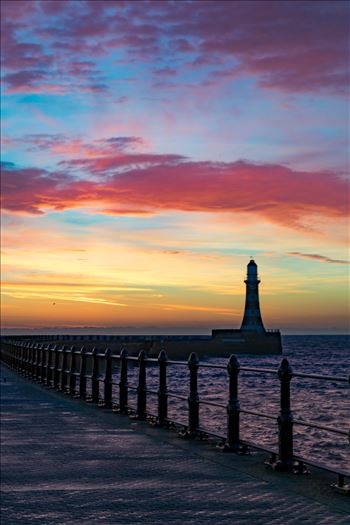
[{"x": 252, "y": 321}]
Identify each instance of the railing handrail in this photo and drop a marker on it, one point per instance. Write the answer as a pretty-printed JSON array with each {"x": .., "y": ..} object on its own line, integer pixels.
[{"x": 258, "y": 370}]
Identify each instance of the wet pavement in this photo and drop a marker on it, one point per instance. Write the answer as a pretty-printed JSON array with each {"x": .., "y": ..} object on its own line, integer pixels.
[{"x": 65, "y": 461}]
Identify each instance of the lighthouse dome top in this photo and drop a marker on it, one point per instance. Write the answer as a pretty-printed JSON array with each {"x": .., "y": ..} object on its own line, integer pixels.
[{"x": 252, "y": 270}]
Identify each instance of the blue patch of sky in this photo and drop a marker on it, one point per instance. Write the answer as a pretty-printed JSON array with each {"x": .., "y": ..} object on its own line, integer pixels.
[{"x": 79, "y": 218}]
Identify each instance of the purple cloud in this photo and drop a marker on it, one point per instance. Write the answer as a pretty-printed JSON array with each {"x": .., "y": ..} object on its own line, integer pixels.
[{"x": 294, "y": 47}]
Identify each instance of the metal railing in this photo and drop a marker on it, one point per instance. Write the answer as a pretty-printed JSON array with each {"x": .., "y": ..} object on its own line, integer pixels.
[{"x": 89, "y": 376}]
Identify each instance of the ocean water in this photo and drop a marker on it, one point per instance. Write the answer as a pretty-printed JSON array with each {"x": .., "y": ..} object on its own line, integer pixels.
[{"x": 325, "y": 403}]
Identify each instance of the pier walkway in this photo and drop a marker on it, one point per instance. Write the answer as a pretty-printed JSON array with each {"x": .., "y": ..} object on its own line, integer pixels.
[{"x": 68, "y": 462}]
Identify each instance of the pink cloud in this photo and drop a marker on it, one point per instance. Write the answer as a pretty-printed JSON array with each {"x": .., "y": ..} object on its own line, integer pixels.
[
  {"x": 139, "y": 184},
  {"x": 27, "y": 190}
]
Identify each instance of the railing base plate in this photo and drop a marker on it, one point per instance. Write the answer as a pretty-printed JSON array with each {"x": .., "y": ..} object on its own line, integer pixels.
[
  {"x": 241, "y": 449},
  {"x": 341, "y": 489}
]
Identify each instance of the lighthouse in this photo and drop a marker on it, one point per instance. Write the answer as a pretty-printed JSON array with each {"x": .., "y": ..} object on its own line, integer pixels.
[
  {"x": 252, "y": 321},
  {"x": 251, "y": 337}
]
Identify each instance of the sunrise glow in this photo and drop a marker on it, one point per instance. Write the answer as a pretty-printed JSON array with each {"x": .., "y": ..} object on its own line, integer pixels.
[{"x": 151, "y": 148}]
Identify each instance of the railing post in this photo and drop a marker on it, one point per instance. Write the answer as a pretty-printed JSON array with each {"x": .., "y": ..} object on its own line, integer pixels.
[
  {"x": 32, "y": 361},
  {"x": 82, "y": 373},
  {"x": 123, "y": 384},
  {"x": 38, "y": 362},
  {"x": 26, "y": 360},
  {"x": 20, "y": 357},
  {"x": 48, "y": 377},
  {"x": 285, "y": 420},
  {"x": 141, "y": 389},
  {"x": 15, "y": 355},
  {"x": 23, "y": 358},
  {"x": 107, "y": 395},
  {"x": 193, "y": 398},
  {"x": 56, "y": 373},
  {"x": 42, "y": 363},
  {"x": 64, "y": 369},
  {"x": 233, "y": 407},
  {"x": 10, "y": 352},
  {"x": 94, "y": 376},
  {"x": 39, "y": 357},
  {"x": 162, "y": 390},
  {"x": 72, "y": 377}
]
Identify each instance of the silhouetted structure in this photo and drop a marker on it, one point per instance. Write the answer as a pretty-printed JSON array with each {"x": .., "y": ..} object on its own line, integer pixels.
[
  {"x": 252, "y": 336},
  {"x": 252, "y": 321}
]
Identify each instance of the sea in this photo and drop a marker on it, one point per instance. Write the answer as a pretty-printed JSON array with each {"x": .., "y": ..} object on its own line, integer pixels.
[{"x": 313, "y": 401}]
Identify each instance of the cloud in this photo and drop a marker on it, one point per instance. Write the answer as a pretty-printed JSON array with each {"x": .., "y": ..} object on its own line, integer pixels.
[
  {"x": 107, "y": 164},
  {"x": 27, "y": 190},
  {"x": 317, "y": 257},
  {"x": 301, "y": 48},
  {"x": 62, "y": 145},
  {"x": 138, "y": 184}
]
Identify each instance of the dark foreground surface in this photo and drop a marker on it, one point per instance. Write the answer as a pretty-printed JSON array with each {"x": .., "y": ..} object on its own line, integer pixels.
[{"x": 64, "y": 461}]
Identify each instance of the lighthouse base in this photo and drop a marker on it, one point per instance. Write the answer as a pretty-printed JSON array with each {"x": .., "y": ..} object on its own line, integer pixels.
[
  {"x": 243, "y": 342},
  {"x": 222, "y": 343}
]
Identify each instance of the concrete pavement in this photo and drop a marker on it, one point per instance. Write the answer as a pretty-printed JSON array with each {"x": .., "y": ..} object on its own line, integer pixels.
[{"x": 65, "y": 461}]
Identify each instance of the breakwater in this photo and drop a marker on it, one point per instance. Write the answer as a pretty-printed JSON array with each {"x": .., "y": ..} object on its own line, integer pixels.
[
  {"x": 220, "y": 344},
  {"x": 89, "y": 375}
]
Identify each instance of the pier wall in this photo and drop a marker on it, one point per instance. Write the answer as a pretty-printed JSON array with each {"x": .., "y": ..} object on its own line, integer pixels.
[{"x": 222, "y": 343}]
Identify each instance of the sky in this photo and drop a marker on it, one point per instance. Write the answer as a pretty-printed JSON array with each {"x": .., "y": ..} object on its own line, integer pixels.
[{"x": 151, "y": 148}]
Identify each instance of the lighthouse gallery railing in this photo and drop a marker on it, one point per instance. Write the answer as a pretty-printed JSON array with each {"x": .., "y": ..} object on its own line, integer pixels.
[{"x": 66, "y": 369}]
